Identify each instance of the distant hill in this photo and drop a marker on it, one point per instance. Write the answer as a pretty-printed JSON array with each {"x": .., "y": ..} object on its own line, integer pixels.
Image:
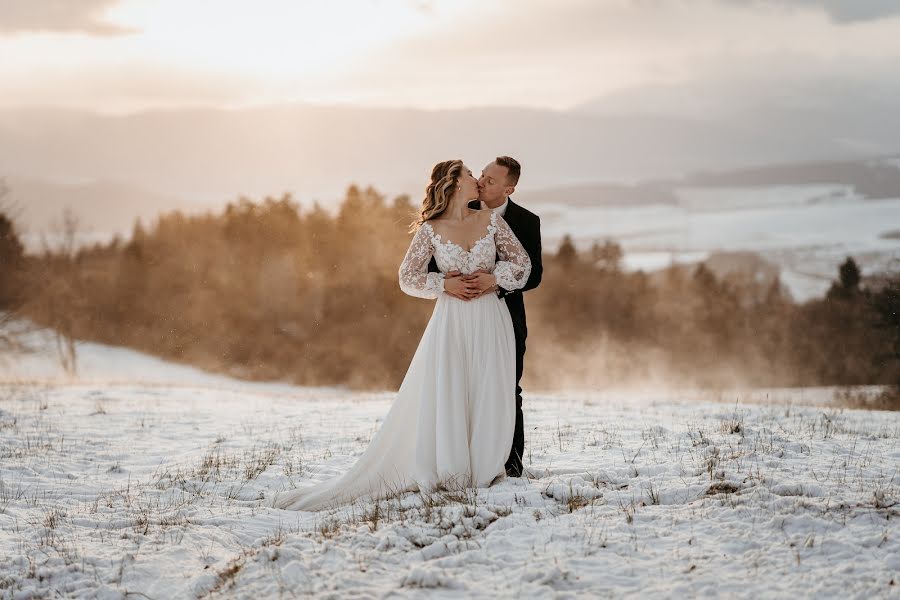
[
  {"x": 107, "y": 206},
  {"x": 641, "y": 144},
  {"x": 606, "y": 194},
  {"x": 315, "y": 152},
  {"x": 103, "y": 206},
  {"x": 872, "y": 179}
]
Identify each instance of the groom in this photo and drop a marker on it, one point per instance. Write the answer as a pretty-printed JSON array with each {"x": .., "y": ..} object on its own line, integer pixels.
[{"x": 496, "y": 185}]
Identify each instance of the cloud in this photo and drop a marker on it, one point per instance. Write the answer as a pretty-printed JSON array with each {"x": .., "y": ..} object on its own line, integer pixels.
[
  {"x": 559, "y": 55},
  {"x": 863, "y": 88},
  {"x": 840, "y": 11},
  {"x": 61, "y": 16},
  {"x": 433, "y": 54}
]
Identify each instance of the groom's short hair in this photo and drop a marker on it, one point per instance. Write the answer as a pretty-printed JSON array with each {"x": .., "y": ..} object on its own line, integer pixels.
[{"x": 514, "y": 169}]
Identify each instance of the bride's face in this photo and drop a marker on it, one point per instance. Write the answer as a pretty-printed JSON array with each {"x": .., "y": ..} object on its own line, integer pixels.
[{"x": 468, "y": 185}]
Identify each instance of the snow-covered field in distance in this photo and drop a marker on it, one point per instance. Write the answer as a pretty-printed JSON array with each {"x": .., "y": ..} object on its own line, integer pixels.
[
  {"x": 101, "y": 364},
  {"x": 116, "y": 487},
  {"x": 806, "y": 230}
]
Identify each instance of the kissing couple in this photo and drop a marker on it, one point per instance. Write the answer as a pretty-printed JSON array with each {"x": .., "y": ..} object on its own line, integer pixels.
[{"x": 457, "y": 419}]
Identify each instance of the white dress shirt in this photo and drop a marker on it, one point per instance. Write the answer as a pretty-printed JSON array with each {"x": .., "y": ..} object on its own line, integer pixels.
[{"x": 500, "y": 209}]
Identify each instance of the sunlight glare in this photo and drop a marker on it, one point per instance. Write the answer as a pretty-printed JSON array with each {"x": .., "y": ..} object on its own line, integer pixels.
[{"x": 274, "y": 40}]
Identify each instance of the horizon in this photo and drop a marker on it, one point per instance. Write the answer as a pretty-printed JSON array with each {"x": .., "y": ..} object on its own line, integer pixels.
[
  {"x": 125, "y": 109},
  {"x": 667, "y": 88}
]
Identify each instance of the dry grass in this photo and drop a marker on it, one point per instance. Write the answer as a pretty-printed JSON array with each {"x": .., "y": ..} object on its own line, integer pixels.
[
  {"x": 695, "y": 466},
  {"x": 886, "y": 399}
]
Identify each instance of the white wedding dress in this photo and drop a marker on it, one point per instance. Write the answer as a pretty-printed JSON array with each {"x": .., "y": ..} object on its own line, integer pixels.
[{"x": 453, "y": 419}]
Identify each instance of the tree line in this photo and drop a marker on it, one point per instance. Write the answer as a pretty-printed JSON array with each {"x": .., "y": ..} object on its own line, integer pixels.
[{"x": 269, "y": 290}]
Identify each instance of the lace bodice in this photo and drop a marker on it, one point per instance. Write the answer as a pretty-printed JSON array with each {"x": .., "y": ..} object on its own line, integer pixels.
[{"x": 511, "y": 270}]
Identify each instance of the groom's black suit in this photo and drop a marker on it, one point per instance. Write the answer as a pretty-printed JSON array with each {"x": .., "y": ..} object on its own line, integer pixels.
[{"x": 527, "y": 227}]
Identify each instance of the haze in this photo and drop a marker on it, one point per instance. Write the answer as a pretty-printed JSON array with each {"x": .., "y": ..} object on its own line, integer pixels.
[{"x": 195, "y": 102}]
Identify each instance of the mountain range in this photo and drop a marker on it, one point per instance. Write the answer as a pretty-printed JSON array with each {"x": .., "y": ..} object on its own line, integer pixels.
[{"x": 631, "y": 147}]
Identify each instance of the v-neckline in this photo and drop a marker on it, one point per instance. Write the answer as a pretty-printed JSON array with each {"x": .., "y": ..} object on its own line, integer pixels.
[{"x": 474, "y": 245}]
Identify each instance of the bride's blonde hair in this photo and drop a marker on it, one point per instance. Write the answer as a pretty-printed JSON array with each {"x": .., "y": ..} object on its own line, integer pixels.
[{"x": 444, "y": 179}]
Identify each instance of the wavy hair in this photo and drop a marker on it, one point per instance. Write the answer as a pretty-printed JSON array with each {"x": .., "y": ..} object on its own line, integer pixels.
[{"x": 444, "y": 179}]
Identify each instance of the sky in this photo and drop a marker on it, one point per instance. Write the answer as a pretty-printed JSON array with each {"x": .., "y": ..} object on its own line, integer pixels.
[{"x": 120, "y": 56}]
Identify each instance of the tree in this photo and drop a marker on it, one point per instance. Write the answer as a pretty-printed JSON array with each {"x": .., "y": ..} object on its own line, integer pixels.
[
  {"x": 886, "y": 303},
  {"x": 56, "y": 289},
  {"x": 705, "y": 280},
  {"x": 12, "y": 255},
  {"x": 849, "y": 277},
  {"x": 776, "y": 296},
  {"x": 12, "y": 260},
  {"x": 608, "y": 256},
  {"x": 135, "y": 246},
  {"x": 567, "y": 253}
]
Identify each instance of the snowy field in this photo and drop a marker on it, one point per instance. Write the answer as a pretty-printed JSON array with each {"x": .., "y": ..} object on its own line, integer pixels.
[
  {"x": 806, "y": 230},
  {"x": 159, "y": 490}
]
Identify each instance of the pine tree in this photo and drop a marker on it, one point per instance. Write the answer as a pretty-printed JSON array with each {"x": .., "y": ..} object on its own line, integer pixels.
[
  {"x": 850, "y": 276},
  {"x": 847, "y": 285}
]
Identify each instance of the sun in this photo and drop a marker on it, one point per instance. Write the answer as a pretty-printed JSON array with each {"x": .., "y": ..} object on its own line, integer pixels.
[{"x": 272, "y": 40}]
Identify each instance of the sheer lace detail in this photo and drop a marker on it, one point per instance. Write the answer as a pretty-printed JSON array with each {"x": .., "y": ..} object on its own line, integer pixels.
[
  {"x": 455, "y": 252},
  {"x": 511, "y": 271},
  {"x": 514, "y": 266},
  {"x": 415, "y": 279}
]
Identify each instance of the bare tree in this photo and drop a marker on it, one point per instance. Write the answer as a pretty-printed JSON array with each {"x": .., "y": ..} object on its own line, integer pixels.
[
  {"x": 63, "y": 235},
  {"x": 12, "y": 333},
  {"x": 68, "y": 278},
  {"x": 55, "y": 298}
]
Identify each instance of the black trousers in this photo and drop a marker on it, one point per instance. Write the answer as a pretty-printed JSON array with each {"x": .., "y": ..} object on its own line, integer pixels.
[{"x": 514, "y": 462}]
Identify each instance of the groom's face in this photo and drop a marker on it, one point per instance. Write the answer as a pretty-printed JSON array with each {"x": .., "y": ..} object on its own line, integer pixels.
[{"x": 493, "y": 186}]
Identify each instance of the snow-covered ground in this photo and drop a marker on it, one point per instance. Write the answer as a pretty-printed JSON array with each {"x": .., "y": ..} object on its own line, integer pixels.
[
  {"x": 100, "y": 364},
  {"x": 806, "y": 230},
  {"x": 159, "y": 490}
]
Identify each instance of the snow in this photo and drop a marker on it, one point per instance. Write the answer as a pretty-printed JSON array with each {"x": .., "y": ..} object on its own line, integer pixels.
[
  {"x": 103, "y": 364},
  {"x": 114, "y": 487},
  {"x": 806, "y": 230},
  {"x": 653, "y": 261}
]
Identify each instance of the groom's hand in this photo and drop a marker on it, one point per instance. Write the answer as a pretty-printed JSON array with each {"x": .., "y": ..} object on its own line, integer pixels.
[
  {"x": 480, "y": 282},
  {"x": 456, "y": 286},
  {"x": 491, "y": 290}
]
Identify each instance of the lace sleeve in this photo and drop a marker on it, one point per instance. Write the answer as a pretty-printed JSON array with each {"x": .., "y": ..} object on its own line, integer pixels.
[
  {"x": 514, "y": 266},
  {"x": 415, "y": 279}
]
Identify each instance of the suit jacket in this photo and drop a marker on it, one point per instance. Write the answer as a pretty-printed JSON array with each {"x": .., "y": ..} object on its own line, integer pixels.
[{"x": 527, "y": 227}]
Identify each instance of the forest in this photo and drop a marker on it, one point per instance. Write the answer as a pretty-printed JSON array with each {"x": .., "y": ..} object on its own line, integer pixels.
[{"x": 270, "y": 290}]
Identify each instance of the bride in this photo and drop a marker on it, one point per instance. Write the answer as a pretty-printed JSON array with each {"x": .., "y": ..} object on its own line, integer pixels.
[{"x": 452, "y": 422}]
